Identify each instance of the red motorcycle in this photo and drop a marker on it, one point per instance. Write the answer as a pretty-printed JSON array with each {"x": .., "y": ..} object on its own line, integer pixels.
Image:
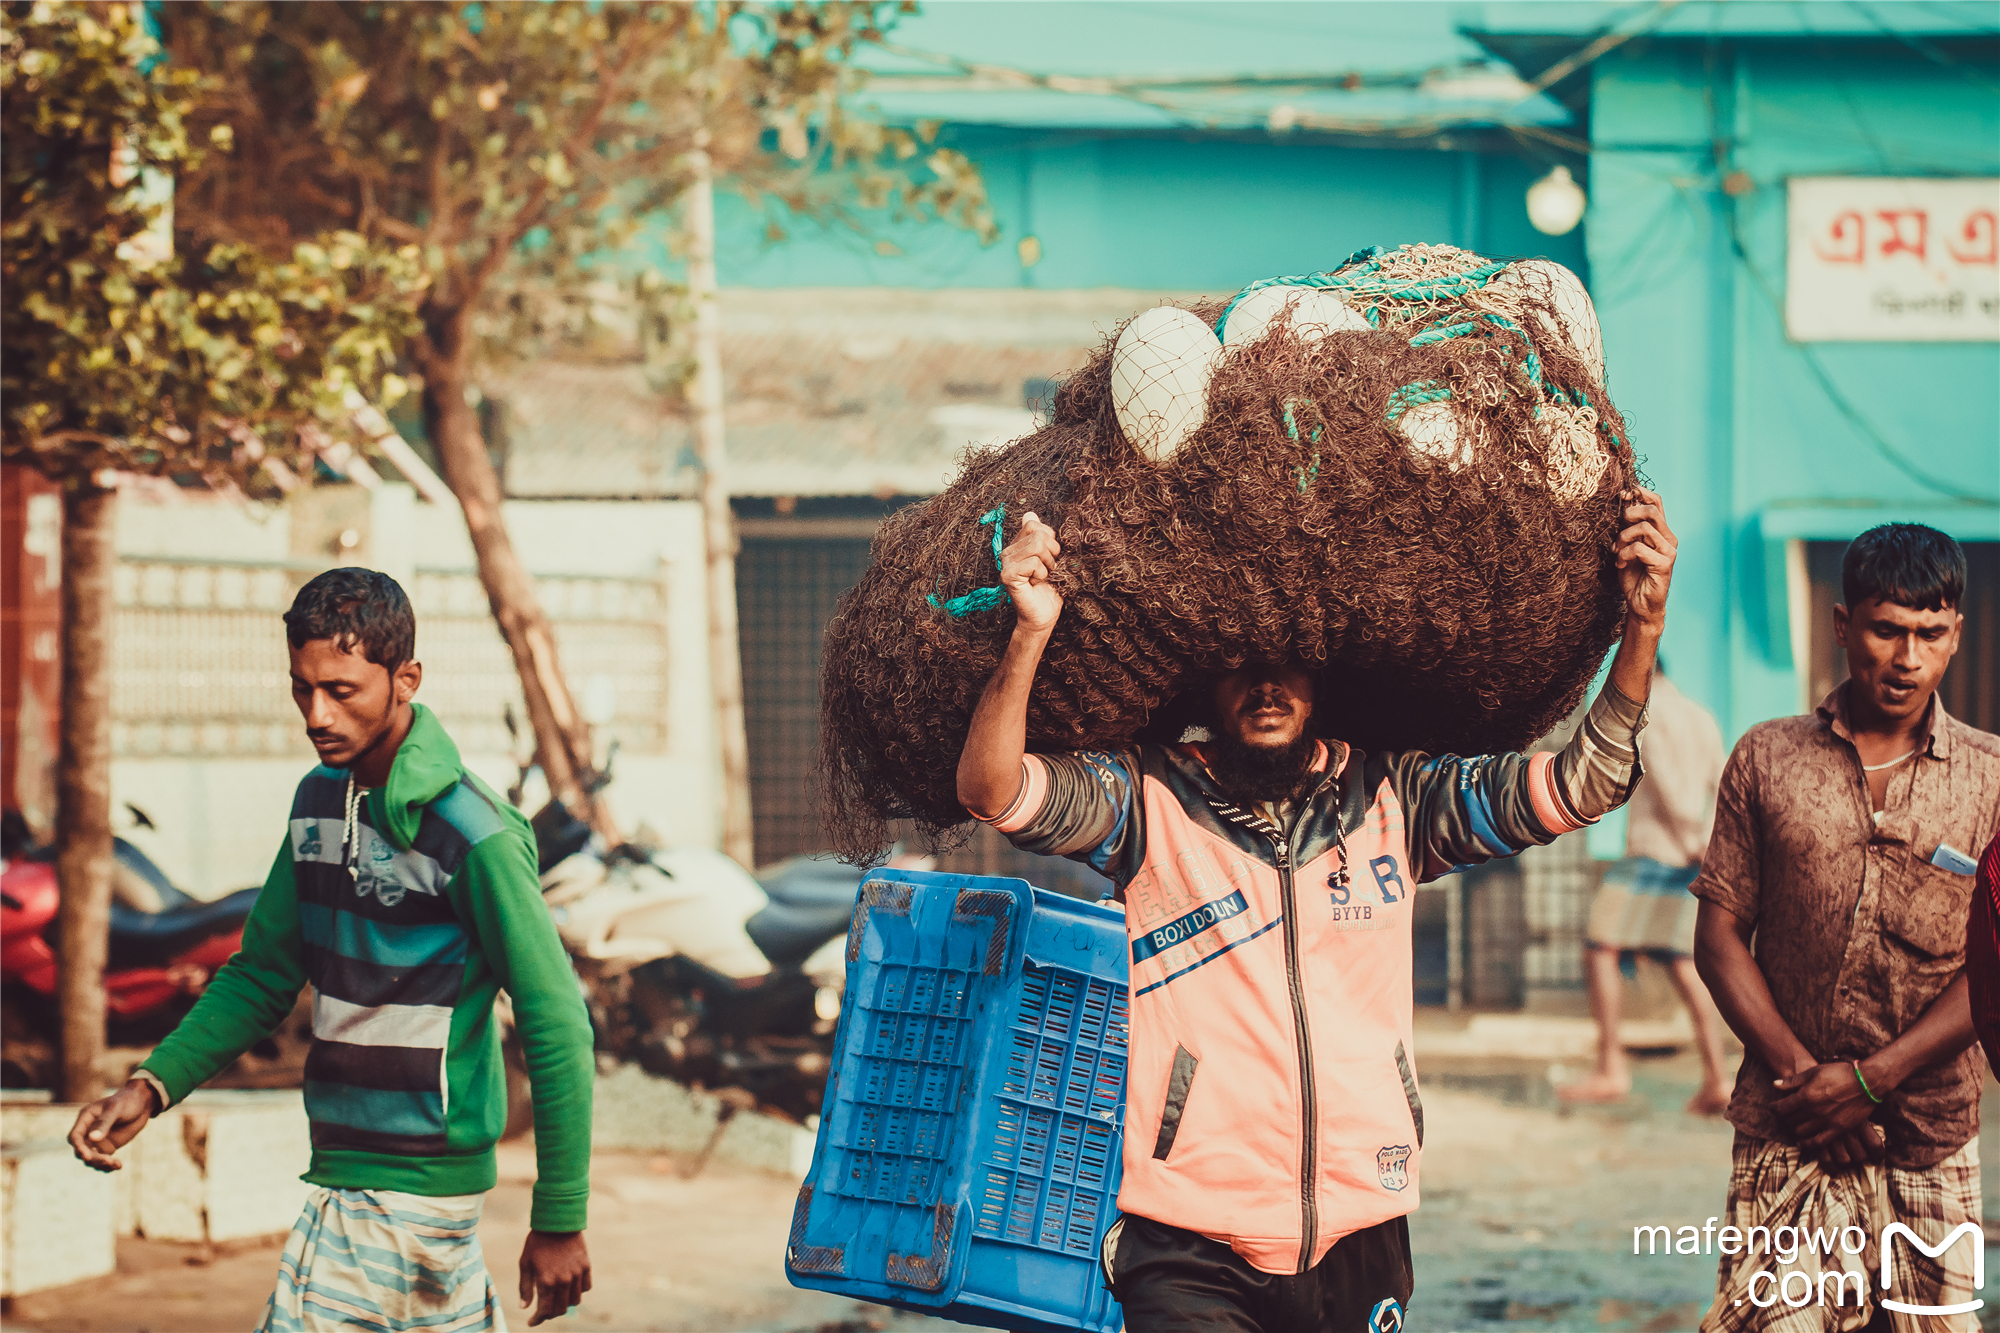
[{"x": 164, "y": 948}]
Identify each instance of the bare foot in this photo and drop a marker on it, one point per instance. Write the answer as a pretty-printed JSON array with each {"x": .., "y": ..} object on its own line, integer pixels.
[
  {"x": 1711, "y": 1100},
  {"x": 1597, "y": 1088}
]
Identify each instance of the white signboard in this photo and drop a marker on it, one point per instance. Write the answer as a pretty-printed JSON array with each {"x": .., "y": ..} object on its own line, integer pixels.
[{"x": 1893, "y": 259}]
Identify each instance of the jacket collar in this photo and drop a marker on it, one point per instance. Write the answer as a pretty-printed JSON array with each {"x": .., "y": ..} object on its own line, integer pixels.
[{"x": 1190, "y": 759}]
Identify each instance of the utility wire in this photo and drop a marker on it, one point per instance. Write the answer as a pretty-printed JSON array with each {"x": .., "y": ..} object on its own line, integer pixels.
[
  {"x": 1926, "y": 49},
  {"x": 1146, "y": 92},
  {"x": 1605, "y": 43},
  {"x": 1838, "y": 397}
]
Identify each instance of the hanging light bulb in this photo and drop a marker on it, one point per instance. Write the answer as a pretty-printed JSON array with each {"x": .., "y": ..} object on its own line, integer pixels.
[{"x": 1555, "y": 203}]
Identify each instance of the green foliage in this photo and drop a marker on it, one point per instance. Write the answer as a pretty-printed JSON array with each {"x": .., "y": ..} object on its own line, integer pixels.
[
  {"x": 522, "y": 148},
  {"x": 119, "y": 354}
]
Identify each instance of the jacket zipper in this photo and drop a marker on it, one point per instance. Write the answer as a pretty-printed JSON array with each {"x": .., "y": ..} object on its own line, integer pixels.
[{"x": 1309, "y": 1151}]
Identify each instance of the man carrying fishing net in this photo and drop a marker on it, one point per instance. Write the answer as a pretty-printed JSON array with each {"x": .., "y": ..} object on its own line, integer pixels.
[{"x": 1273, "y": 1125}]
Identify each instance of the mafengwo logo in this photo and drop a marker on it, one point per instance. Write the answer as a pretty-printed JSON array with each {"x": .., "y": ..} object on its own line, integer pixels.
[
  {"x": 1834, "y": 1253},
  {"x": 1971, "y": 1229}
]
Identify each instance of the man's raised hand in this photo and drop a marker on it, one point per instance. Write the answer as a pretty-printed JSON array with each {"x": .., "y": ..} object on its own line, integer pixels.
[
  {"x": 1026, "y": 566},
  {"x": 1645, "y": 555}
]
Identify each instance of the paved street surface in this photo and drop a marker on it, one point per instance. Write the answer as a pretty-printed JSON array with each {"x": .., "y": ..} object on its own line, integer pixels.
[{"x": 1526, "y": 1223}]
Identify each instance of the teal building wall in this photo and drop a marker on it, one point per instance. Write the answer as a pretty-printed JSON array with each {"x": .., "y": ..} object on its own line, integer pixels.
[
  {"x": 1736, "y": 424},
  {"x": 1179, "y": 213},
  {"x": 1753, "y": 439}
]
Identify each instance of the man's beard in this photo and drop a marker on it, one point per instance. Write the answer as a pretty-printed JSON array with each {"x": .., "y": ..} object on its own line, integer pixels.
[{"x": 1259, "y": 773}]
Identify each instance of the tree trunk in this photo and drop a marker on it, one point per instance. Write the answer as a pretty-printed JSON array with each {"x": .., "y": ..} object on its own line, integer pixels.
[
  {"x": 83, "y": 786},
  {"x": 562, "y": 736},
  {"x": 725, "y": 657}
]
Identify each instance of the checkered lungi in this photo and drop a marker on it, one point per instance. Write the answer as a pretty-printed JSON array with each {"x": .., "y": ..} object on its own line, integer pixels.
[
  {"x": 1643, "y": 906},
  {"x": 1771, "y": 1185},
  {"x": 387, "y": 1262}
]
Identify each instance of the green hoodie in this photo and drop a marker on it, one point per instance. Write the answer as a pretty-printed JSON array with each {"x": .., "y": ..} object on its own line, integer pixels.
[{"x": 407, "y": 936}]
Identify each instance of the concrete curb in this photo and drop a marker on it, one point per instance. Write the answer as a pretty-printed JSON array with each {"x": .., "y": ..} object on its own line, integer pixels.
[
  {"x": 637, "y": 1112},
  {"x": 223, "y": 1165},
  {"x": 57, "y": 1217},
  {"x": 1545, "y": 1037}
]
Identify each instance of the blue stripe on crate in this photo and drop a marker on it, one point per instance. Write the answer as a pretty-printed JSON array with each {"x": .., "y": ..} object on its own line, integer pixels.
[
  {"x": 376, "y": 942},
  {"x": 412, "y": 1113},
  {"x": 1211, "y": 958}
]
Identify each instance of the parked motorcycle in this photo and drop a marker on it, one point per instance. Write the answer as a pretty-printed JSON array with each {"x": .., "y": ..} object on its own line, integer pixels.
[
  {"x": 164, "y": 946},
  {"x": 696, "y": 970}
]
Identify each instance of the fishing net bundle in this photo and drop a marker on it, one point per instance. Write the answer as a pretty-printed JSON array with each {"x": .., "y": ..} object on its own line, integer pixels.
[{"x": 1403, "y": 473}]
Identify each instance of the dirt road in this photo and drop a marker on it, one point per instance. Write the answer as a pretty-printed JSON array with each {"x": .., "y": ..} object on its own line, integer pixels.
[{"x": 1526, "y": 1223}]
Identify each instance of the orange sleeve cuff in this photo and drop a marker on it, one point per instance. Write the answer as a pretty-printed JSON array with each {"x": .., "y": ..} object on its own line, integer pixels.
[
  {"x": 1027, "y": 802},
  {"x": 1547, "y": 801}
]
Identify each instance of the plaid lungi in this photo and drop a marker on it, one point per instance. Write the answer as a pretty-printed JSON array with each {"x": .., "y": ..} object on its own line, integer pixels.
[
  {"x": 1772, "y": 1186},
  {"x": 1644, "y": 906},
  {"x": 387, "y": 1262}
]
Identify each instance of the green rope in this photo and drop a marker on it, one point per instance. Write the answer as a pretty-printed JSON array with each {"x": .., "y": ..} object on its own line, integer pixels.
[
  {"x": 1292, "y": 429},
  {"x": 1437, "y": 333},
  {"x": 1306, "y": 479},
  {"x": 979, "y": 599},
  {"x": 1359, "y": 276},
  {"x": 1292, "y": 425},
  {"x": 1413, "y": 395}
]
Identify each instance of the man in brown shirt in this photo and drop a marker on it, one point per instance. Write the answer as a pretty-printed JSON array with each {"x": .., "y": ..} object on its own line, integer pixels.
[{"x": 1834, "y": 895}]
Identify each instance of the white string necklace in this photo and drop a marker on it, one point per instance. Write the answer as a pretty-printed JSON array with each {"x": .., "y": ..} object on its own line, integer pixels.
[
  {"x": 1877, "y": 768},
  {"x": 347, "y": 842}
]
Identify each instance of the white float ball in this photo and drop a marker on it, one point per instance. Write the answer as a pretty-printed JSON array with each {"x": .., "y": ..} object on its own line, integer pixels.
[
  {"x": 1160, "y": 371},
  {"x": 1549, "y": 281},
  {"x": 1314, "y": 313},
  {"x": 1434, "y": 431}
]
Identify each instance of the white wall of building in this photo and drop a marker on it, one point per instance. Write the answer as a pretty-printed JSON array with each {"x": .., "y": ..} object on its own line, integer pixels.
[{"x": 220, "y": 821}]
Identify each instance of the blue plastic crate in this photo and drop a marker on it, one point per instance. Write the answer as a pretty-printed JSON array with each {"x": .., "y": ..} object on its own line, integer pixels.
[{"x": 968, "y": 1161}]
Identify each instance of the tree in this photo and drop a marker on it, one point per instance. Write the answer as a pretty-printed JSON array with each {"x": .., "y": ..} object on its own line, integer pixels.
[
  {"x": 520, "y": 148},
  {"x": 117, "y": 356}
]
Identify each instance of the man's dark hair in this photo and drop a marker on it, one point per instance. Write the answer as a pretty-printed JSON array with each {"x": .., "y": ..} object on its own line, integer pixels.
[
  {"x": 355, "y": 606},
  {"x": 1905, "y": 563}
]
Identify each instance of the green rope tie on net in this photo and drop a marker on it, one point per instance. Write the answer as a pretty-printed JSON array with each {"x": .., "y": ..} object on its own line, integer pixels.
[
  {"x": 1414, "y": 395},
  {"x": 979, "y": 599},
  {"x": 1437, "y": 333},
  {"x": 1292, "y": 424},
  {"x": 1360, "y": 275},
  {"x": 1531, "y": 365},
  {"x": 1292, "y": 429}
]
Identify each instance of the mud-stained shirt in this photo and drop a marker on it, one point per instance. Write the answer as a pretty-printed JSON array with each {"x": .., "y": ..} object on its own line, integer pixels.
[{"x": 1860, "y": 922}]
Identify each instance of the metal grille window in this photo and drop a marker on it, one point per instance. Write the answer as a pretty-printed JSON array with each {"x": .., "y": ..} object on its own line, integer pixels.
[
  {"x": 786, "y": 591},
  {"x": 1557, "y": 883},
  {"x": 199, "y": 665}
]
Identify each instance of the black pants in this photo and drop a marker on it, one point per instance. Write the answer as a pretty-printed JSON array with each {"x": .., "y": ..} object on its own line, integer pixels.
[{"x": 1174, "y": 1281}]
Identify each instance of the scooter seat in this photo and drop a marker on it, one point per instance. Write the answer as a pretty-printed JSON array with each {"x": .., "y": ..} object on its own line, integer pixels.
[
  {"x": 153, "y": 939},
  {"x": 811, "y": 902},
  {"x": 811, "y": 883}
]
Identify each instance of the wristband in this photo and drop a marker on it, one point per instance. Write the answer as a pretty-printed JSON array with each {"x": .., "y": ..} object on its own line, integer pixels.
[{"x": 1864, "y": 1083}]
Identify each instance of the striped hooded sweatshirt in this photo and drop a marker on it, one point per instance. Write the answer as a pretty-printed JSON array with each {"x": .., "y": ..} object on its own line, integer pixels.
[{"x": 406, "y": 937}]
